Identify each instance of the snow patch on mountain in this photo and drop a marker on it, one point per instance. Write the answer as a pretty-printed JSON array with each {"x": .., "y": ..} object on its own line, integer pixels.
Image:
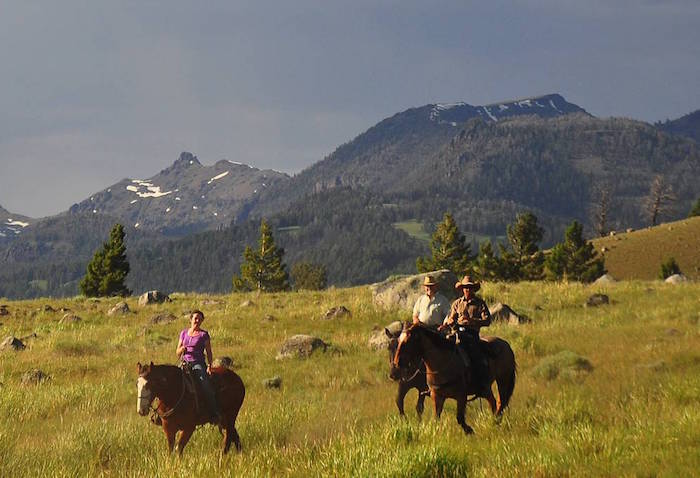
[{"x": 218, "y": 176}]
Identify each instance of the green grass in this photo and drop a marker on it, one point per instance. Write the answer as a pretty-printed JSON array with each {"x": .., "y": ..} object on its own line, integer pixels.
[
  {"x": 414, "y": 229},
  {"x": 606, "y": 391},
  {"x": 655, "y": 245}
]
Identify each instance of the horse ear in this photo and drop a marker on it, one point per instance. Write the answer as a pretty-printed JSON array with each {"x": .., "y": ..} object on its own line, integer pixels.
[
  {"x": 388, "y": 334},
  {"x": 138, "y": 364},
  {"x": 151, "y": 363}
]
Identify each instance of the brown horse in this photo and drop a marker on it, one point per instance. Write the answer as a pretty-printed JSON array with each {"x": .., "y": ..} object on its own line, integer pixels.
[
  {"x": 178, "y": 405},
  {"x": 408, "y": 377},
  {"x": 449, "y": 377}
]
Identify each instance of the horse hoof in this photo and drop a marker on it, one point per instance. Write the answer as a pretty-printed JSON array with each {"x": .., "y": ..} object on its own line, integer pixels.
[{"x": 468, "y": 430}]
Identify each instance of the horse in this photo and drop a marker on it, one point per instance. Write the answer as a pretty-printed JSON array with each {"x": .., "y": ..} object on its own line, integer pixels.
[
  {"x": 411, "y": 376},
  {"x": 178, "y": 408},
  {"x": 449, "y": 377}
]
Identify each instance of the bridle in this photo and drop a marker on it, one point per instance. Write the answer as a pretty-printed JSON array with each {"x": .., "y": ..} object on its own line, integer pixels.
[{"x": 154, "y": 410}]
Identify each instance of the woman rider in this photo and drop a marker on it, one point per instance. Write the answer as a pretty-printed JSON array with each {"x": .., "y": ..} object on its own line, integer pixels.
[{"x": 193, "y": 342}]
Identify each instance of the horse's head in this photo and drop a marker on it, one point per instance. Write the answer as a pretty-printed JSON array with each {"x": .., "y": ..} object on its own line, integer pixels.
[
  {"x": 406, "y": 356},
  {"x": 144, "y": 388}
]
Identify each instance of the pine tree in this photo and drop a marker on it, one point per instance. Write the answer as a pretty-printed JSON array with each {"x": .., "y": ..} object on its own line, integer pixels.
[
  {"x": 449, "y": 250},
  {"x": 488, "y": 264},
  {"x": 523, "y": 237},
  {"x": 107, "y": 271},
  {"x": 669, "y": 268},
  {"x": 262, "y": 268},
  {"x": 575, "y": 258}
]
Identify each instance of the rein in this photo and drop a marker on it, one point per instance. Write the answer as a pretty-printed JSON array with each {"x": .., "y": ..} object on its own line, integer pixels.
[{"x": 172, "y": 410}]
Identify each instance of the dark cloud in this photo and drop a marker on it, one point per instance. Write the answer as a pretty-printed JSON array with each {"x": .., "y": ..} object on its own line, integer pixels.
[{"x": 92, "y": 92}]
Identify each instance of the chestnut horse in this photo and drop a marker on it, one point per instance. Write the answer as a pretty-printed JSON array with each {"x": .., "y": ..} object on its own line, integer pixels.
[
  {"x": 408, "y": 377},
  {"x": 449, "y": 377},
  {"x": 177, "y": 407}
]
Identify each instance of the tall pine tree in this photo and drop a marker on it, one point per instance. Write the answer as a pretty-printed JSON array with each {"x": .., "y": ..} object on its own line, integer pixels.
[
  {"x": 449, "y": 250},
  {"x": 262, "y": 268},
  {"x": 106, "y": 273},
  {"x": 526, "y": 258},
  {"x": 574, "y": 259}
]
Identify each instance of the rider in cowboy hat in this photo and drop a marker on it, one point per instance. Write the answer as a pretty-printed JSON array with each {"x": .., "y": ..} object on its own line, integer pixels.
[
  {"x": 470, "y": 314},
  {"x": 432, "y": 307}
]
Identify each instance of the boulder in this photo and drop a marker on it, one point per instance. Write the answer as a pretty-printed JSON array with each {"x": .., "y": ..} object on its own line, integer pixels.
[
  {"x": 301, "y": 346},
  {"x": 225, "y": 362},
  {"x": 211, "y": 302},
  {"x": 269, "y": 318},
  {"x": 69, "y": 319},
  {"x": 273, "y": 382},
  {"x": 46, "y": 308},
  {"x": 153, "y": 297},
  {"x": 503, "y": 313},
  {"x": 11, "y": 343},
  {"x": 597, "y": 299},
  {"x": 336, "y": 313},
  {"x": 34, "y": 377},
  {"x": 605, "y": 279},
  {"x": 246, "y": 303},
  {"x": 165, "y": 318},
  {"x": 3, "y": 310},
  {"x": 566, "y": 364},
  {"x": 676, "y": 279},
  {"x": 403, "y": 291},
  {"x": 120, "y": 308},
  {"x": 379, "y": 340}
]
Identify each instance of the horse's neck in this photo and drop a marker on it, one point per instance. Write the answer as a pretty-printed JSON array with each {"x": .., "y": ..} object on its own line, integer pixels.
[
  {"x": 436, "y": 357},
  {"x": 169, "y": 397}
]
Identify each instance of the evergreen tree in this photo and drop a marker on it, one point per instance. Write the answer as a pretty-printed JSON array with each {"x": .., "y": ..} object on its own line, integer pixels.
[
  {"x": 696, "y": 209},
  {"x": 107, "y": 271},
  {"x": 523, "y": 237},
  {"x": 575, "y": 258},
  {"x": 449, "y": 250},
  {"x": 308, "y": 276},
  {"x": 669, "y": 268},
  {"x": 488, "y": 264},
  {"x": 262, "y": 268}
]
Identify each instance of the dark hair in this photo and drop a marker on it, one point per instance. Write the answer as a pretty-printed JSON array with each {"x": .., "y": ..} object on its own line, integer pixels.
[{"x": 195, "y": 312}]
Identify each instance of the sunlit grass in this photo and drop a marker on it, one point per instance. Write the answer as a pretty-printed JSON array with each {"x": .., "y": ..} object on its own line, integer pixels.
[{"x": 611, "y": 390}]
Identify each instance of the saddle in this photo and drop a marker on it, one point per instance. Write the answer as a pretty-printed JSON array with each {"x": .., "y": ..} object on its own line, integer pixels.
[{"x": 194, "y": 388}]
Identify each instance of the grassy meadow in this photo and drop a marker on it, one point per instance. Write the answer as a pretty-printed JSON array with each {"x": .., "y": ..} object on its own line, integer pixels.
[
  {"x": 612, "y": 390},
  {"x": 678, "y": 239}
]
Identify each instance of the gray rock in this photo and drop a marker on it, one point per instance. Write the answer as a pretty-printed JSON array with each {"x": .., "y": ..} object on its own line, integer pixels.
[
  {"x": 605, "y": 279},
  {"x": 379, "y": 340},
  {"x": 11, "y": 343},
  {"x": 153, "y": 297},
  {"x": 503, "y": 313},
  {"x": 246, "y": 303},
  {"x": 301, "y": 346},
  {"x": 597, "y": 299},
  {"x": 676, "y": 279},
  {"x": 165, "y": 318},
  {"x": 3, "y": 310},
  {"x": 673, "y": 332},
  {"x": 269, "y": 318},
  {"x": 34, "y": 377},
  {"x": 46, "y": 308},
  {"x": 226, "y": 362},
  {"x": 403, "y": 291},
  {"x": 337, "y": 313},
  {"x": 120, "y": 308},
  {"x": 69, "y": 319},
  {"x": 211, "y": 302},
  {"x": 273, "y": 382}
]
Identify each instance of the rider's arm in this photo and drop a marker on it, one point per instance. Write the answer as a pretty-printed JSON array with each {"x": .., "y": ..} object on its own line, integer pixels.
[
  {"x": 451, "y": 316},
  {"x": 485, "y": 316},
  {"x": 416, "y": 307},
  {"x": 209, "y": 354},
  {"x": 180, "y": 348}
]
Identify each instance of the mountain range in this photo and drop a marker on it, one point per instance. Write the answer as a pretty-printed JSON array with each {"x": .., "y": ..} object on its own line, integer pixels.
[{"x": 187, "y": 225}]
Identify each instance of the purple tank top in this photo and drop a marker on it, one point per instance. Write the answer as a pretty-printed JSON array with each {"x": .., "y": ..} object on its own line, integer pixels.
[{"x": 194, "y": 346}]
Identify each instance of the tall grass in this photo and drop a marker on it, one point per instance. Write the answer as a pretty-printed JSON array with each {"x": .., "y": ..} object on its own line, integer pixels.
[{"x": 611, "y": 391}]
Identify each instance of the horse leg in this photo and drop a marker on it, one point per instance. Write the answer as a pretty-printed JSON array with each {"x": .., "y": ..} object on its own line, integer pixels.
[
  {"x": 400, "y": 396},
  {"x": 492, "y": 401},
  {"x": 461, "y": 415},
  {"x": 231, "y": 434},
  {"x": 439, "y": 402},
  {"x": 184, "y": 438},
  {"x": 170, "y": 432},
  {"x": 421, "y": 403}
]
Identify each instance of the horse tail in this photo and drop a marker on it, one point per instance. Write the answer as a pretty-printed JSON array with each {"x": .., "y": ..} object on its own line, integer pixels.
[{"x": 506, "y": 379}]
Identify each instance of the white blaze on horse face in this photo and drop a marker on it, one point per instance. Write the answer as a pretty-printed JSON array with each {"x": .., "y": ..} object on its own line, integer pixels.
[{"x": 143, "y": 399}]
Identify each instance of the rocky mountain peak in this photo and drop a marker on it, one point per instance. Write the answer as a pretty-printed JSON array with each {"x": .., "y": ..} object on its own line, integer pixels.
[{"x": 186, "y": 160}]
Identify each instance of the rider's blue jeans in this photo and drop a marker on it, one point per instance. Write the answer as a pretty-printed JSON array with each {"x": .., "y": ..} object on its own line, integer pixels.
[{"x": 200, "y": 371}]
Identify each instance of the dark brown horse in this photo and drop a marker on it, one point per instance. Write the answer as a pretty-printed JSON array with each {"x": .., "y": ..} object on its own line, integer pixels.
[
  {"x": 178, "y": 408},
  {"x": 408, "y": 377},
  {"x": 449, "y": 377}
]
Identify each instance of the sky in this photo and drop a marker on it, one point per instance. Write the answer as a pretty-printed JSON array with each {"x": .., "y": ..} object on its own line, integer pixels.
[{"x": 93, "y": 92}]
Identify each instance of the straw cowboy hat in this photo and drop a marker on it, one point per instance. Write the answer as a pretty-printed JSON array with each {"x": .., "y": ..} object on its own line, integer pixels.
[
  {"x": 429, "y": 281},
  {"x": 467, "y": 281}
]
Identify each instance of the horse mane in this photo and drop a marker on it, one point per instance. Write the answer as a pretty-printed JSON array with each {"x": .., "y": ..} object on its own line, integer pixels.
[{"x": 436, "y": 338}]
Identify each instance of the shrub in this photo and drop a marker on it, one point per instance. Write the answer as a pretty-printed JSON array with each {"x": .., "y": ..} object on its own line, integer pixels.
[{"x": 669, "y": 268}]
